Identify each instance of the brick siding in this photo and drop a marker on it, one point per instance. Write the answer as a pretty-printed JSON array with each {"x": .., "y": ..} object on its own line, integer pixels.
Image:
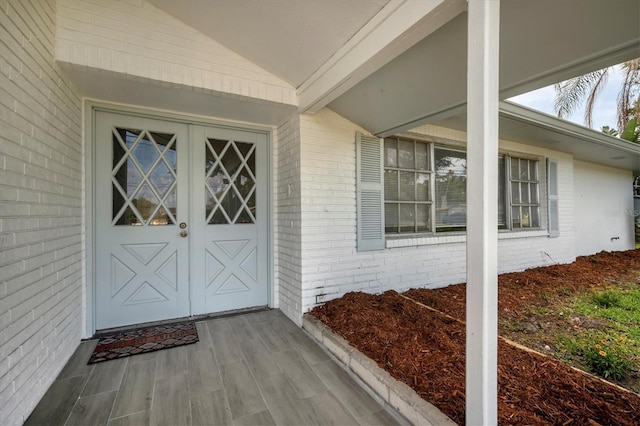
[{"x": 41, "y": 160}]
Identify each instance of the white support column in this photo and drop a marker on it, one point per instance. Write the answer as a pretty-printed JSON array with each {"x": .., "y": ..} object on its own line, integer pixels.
[{"x": 482, "y": 212}]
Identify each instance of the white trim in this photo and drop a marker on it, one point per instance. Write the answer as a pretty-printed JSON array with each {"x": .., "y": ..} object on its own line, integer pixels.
[
  {"x": 91, "y": 106},
  {"x": 395, "y": 29},
  {"x": 538, "y": 119},
  {"x": 429, "y": 240},
  {"x": 89, "y": 225}
]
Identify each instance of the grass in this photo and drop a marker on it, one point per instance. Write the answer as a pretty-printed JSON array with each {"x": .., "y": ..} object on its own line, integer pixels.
[
  {"x": 612, "y": 351},
  {"x": 619, "y": 305}
]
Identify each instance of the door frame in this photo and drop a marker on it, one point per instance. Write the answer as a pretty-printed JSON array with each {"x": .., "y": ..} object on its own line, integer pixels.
[{"x": 89, "y": 111}]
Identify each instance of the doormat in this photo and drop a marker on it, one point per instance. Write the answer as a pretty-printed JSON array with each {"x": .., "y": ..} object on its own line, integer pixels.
[{"x": 142, "y": 340}]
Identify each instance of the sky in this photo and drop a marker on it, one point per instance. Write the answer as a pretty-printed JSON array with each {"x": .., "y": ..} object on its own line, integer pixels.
[{"x": 605, "y": 106}]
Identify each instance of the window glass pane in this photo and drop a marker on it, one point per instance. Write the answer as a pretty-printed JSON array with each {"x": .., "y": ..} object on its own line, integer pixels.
[
  {"x": 407, "y": 186},
  {"x": 407, "y": 220},
  {"x": 515, "y": 171},
  {"x": 535, "y": 217},
  {"x": 515, "y": 193},
  {"x": 422, "y": 218},
  {"x": 390, "y": 153},
  {"x": 451, "y": 188},
  {"x": 524, "y": 169},
  {"x": 422, "y": 156},
  {"x": 515, "y": 217},
  {"x": 405, "y": 155},
  {"x": 533, "y": 170},
  {"x": 525, "y": 217},
  {"x": 391, "y": 185},
  {"x": 391, "y": 218},
  {"x": 534, "y": 193},
  {"x": 502, "y": 213},
  {"x": 524, "y": 192},
  {"x": 422, "y": 186}
]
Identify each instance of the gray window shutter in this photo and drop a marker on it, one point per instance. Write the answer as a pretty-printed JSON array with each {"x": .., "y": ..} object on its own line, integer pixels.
[
  {"x": 553, "y": 225},
  {"x": 369, "y": 193}
]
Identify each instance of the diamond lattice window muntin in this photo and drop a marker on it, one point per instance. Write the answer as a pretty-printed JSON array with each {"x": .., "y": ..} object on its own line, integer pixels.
[
  {"x": 230, "y": 182},
  {"x": 143, "y": 166}
]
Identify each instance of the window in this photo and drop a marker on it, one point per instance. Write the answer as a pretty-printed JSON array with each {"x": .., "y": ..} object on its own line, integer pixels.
[
  {"x": 524, "y": 185},
  {"x": 425, "y": 189},
  {"x": 407, "y": 186}
]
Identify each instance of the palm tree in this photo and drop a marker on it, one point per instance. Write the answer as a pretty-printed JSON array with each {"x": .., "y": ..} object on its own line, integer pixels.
[{"x": 571, "y": 94}]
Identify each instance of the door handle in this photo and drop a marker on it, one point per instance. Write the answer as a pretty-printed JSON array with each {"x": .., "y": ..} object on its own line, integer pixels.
[{"x": 183, "y": 234}]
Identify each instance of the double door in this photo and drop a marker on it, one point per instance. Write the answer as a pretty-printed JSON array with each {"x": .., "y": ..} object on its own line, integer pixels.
[{"x": 180, "y": 219}]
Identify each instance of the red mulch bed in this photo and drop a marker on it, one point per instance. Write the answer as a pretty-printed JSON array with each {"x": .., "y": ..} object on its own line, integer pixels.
[
  {"x": 521, "y": 291},
  {"x": 426, "y": 350}
]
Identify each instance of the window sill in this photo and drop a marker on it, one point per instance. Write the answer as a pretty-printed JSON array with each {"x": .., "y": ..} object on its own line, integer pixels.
[{"x": 430, "y": 239}]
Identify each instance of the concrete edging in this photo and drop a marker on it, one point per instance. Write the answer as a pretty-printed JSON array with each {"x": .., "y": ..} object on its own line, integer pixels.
[{"x": 395, "y": 393}]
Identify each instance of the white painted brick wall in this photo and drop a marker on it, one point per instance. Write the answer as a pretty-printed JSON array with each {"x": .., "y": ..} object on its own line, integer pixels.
[
  {"x": 287, "y": 256},
  {"x": 134, "y": 38},
  {"x": 603, "y": 208},
  {"x": 40, "y": 209},
  {"x": 331, "y": 265}
]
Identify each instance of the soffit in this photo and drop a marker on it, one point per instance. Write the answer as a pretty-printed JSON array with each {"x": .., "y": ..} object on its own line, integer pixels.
[
  {"x": 541, "y": 42},
  {"x": 526, "y": 126},
  {"x": 289, "y": 38}
]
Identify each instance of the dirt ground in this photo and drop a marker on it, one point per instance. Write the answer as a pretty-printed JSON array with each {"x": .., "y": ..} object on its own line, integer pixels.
[{"x": 425, "y": 349}]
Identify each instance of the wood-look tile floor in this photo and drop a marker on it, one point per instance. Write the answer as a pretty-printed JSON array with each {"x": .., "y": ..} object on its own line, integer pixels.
[{"x": 251, "y": 369}]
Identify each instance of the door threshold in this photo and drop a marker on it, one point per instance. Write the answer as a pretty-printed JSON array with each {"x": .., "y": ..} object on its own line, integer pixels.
[{"x": 201, "y": 317}]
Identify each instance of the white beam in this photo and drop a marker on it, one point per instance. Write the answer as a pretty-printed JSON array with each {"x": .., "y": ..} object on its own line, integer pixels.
[
  {"x": 482, "y": 212},
  {"x": 397, "y": 27}
]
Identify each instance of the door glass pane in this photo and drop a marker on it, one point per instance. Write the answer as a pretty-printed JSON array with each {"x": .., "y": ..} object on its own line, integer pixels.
[
  {"x": 145, "y": 201},
  {"x": 145, "y": 154},
  {"x": 144, "y": 175},
  {"x": 230, "y": 182},
  {"x": 161, "y": 178},
  {"x": 231, "y": 161}
]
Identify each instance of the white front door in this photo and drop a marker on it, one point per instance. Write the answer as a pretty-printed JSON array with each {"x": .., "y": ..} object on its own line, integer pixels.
[{"x": 180, "y": 219}]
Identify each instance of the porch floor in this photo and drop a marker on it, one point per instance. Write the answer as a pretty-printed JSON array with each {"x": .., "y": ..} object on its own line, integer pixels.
[{"x": 251, "y": 369}]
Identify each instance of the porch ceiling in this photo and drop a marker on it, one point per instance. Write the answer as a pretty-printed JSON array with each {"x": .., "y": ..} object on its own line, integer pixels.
[
  {"x": 289, "y": 38},
  {"x": 523, "y": 125},
  {"x": 542, "y": 42}
]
